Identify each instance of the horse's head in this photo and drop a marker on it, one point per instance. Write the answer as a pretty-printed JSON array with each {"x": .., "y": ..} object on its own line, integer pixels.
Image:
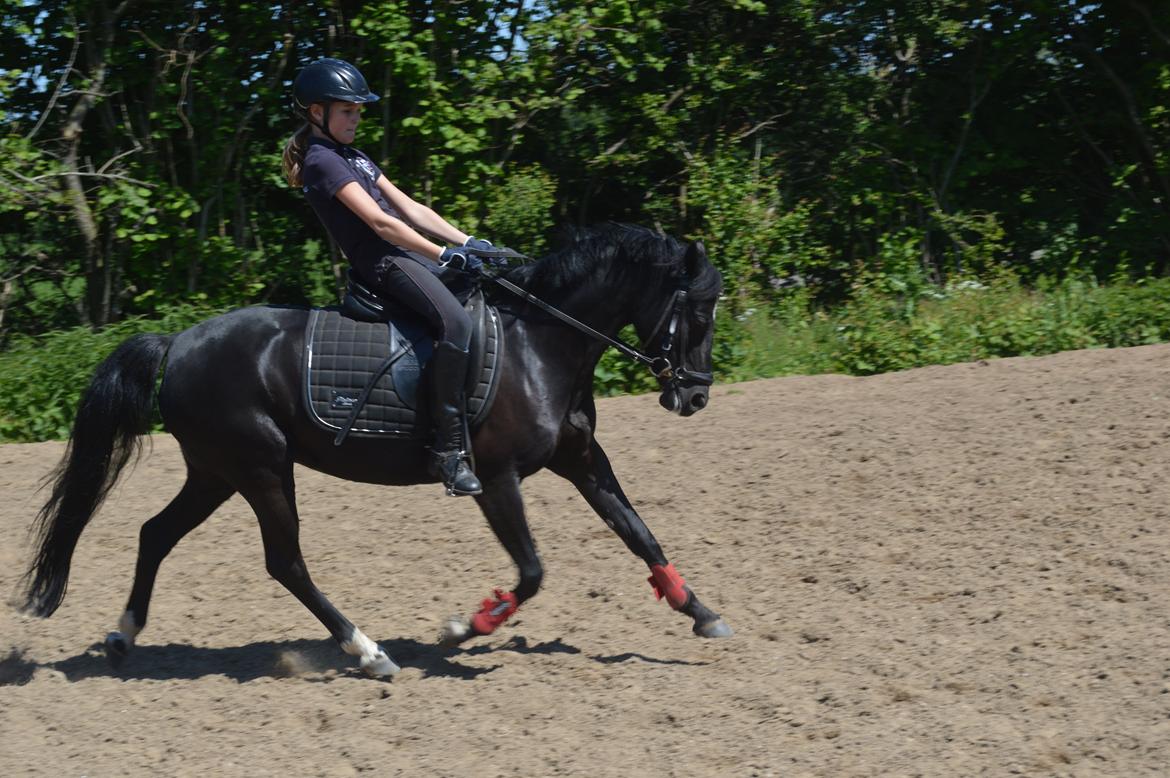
[{"x": 683, "y": 334}]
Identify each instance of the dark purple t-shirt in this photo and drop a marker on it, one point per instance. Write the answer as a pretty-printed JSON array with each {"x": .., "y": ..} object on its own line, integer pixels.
[{"x": 327, "y": 168}]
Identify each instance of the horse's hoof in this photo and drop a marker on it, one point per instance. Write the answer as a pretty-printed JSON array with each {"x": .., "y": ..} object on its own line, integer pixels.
[
  {"x": 455, "y": 630},
  {"x": 714, "y": 629},
  {"x": 117, "y": 647},
  {"x": 379, "y": 666}
]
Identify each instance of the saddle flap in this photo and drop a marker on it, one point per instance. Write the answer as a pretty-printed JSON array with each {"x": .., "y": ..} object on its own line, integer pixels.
[
  {"x": 407, "y": 373},
  {"x": 477, "y": 312}
]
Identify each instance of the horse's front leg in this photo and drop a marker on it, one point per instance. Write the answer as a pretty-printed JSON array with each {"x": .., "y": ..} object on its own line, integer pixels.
[
  {"x": 589, "y": 470},
  {"x": 503, "y": 506}
]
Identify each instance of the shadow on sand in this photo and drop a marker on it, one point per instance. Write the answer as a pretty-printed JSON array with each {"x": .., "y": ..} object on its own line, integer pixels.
[{"x": 310, "y": 659}]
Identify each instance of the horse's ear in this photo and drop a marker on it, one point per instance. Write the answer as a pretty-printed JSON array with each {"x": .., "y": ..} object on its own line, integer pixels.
[{"x": 695, "y": 258}]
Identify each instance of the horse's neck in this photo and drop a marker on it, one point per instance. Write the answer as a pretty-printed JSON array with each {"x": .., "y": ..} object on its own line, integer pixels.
[{"x": 602, "y": 307}]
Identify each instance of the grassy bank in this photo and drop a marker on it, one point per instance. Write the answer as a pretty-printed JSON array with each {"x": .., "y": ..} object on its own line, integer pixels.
[{"x": 880, "y": 331}]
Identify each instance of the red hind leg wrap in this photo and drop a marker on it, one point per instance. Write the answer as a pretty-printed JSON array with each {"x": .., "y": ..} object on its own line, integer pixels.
[
  {"x": 494, "y": 612},
  {"x": 667, "y": 583}
]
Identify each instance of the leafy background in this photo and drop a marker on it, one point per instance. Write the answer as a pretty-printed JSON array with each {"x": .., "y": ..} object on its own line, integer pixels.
[{"x": 882, "y": 185}]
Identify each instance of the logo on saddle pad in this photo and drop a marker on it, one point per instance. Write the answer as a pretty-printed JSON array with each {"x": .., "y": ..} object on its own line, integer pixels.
[
  {"x": 344, "y": 401},
  {"x": 363, "y": 378}
]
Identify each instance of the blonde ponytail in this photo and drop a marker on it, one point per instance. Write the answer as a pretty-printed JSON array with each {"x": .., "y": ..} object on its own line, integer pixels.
[{"x": 293, "y": 159}]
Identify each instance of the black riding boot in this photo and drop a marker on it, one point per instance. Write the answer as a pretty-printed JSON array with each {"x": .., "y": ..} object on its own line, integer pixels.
[{"x": 452, "y": 445}]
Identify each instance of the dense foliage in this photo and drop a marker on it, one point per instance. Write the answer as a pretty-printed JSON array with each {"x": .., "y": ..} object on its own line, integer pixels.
[{"x": 849, "y": 158}]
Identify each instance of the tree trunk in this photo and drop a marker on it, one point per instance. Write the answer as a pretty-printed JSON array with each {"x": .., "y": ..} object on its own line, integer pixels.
[{"x": 98, "y": 276}]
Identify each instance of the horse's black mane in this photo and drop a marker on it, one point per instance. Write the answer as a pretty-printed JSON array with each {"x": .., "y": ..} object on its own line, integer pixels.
[{"x": 613, "y": 253}]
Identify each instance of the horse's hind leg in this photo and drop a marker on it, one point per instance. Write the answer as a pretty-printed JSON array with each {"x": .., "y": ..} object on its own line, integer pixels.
[
  {"x": 503, "y": 506},
  {"x": 591, "y": 473},
  {"x": 271, "y": 495},
  {"x": 198, "y": 499}
]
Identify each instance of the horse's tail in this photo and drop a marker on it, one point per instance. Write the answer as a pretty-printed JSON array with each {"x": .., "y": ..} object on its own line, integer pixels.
[{"x": 114, "y": 411}]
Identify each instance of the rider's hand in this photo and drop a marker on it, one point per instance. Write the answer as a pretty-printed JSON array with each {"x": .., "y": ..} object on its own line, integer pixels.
[
  {"x": 474, "y": 243},
  {"x": 460, "y": 260},
  {"x": 498, "y": 261}
]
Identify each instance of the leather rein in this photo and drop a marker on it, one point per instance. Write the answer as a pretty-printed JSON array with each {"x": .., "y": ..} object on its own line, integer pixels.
[{"x": 661, "y": 366}]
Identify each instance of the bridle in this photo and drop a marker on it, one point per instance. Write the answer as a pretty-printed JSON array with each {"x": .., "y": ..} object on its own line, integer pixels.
[{"x": 661, "y": 366}]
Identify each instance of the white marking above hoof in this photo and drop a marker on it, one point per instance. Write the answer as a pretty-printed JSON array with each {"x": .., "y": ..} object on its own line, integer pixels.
[
  {"x": 128, "y": 628},
  {"x": 455, "y": 630},
  {"x": 374, "y": 661}
]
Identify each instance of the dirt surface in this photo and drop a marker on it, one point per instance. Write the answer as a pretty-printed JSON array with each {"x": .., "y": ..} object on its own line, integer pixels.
[{"x": 948, "y": 571}]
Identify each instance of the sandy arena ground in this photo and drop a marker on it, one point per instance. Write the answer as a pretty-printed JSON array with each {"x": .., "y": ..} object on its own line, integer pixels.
[{"x": 950, "y": 571}]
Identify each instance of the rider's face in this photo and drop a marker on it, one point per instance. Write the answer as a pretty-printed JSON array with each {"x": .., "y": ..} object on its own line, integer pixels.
[{"x": 343, "y": 120}]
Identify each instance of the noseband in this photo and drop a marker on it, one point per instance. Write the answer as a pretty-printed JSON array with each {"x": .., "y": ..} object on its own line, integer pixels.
[{"x": 661, "y": 366}]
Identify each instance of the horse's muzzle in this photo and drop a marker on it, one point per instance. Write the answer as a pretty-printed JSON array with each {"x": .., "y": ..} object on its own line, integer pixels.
[{"x": 684, "y": 402}]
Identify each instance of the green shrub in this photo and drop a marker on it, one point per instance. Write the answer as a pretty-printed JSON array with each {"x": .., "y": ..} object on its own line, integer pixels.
[
  {"x": 42, "y": 378},
  {"x": 754, "y": 238},
  {"x": 520, "y": 210},
  {"x": 618, "y": 374},
  {"x": 999, "y": 317}
]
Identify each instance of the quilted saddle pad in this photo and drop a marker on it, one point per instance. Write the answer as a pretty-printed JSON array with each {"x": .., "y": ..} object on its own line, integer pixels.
[{"x": 384, "y": 362}]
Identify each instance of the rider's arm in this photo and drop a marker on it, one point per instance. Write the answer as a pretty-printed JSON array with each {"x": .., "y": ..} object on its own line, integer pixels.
[
  {"x": 419, "y": 215},
  {"x": 389, "y": 228}
]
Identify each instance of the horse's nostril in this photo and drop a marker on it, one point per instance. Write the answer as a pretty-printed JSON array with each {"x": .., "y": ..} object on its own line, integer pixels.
[
  {"x": 699, "y": 401},
  {"x": 669, "y": 401}
]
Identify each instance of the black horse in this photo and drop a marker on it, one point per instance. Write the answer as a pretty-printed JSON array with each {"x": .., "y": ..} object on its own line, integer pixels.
[{"x": 231, "y": 395}]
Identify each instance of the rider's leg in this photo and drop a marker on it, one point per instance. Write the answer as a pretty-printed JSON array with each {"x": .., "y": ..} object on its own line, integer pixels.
[
  {"x": 452, "y": 444},
  {"x": 412, "y": 284}
]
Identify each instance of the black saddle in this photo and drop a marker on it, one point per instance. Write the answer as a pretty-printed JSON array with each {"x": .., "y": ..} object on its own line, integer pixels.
[{"x": 365, "y": 365}]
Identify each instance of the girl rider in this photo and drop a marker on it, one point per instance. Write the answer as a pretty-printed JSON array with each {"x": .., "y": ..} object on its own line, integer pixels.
[{"x": 383, "y": 233}]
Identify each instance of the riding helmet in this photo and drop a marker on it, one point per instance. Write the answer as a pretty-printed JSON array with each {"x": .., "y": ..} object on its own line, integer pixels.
[{"x": 327, "y": 80}]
